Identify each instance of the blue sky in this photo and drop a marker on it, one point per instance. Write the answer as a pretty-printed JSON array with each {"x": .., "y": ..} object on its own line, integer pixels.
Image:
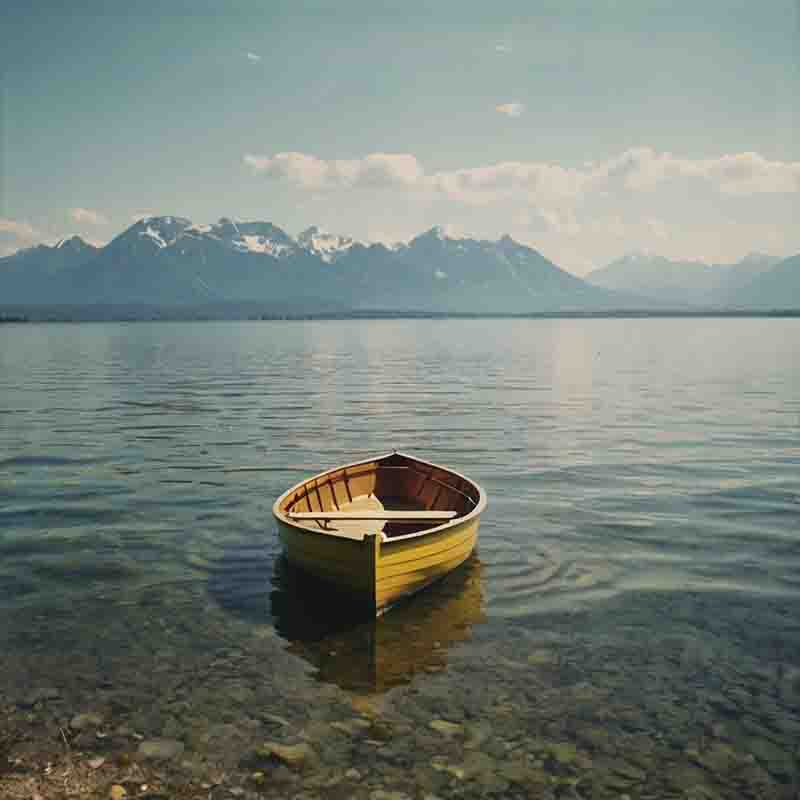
[{"x": 586, "y": 129}]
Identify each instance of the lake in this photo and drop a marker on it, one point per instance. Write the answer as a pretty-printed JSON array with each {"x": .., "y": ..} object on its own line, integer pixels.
[{"x": 629, "y": 624}]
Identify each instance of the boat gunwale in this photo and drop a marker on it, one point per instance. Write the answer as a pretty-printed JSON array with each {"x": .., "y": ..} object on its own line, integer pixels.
[{"x": 480, "y": 506}]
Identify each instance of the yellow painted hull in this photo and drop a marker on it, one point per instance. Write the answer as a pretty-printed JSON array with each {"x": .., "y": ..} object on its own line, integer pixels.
[
  {"x": 385, "y": 572},
  {"x": 381, "y": 568}
]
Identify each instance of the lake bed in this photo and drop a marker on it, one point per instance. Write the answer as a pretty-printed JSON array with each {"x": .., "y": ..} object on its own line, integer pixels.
[{"x": 627, "y": 626}]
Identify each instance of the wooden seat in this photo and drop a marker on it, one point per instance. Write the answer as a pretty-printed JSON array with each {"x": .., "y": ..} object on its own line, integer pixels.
[{"x": 393, "y": 516}]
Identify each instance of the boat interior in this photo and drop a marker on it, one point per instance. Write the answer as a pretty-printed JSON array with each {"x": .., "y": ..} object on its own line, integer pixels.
[{"x": 395, "y": 495}]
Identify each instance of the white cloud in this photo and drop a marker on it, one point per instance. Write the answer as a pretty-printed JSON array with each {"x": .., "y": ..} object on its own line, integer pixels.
[
  {"x": 511, "y": 109},
  {"x": 309, "y": 172},
  {"x": 18, "y": 230},
  {"x": 16, "y": 235},
  {"x": 86, "y": 216},
  {"x": 632, "y": 171},
  {"x": 539, "y": 182},
  {"x": 254, "y": 57},
  {"x": 747, "y": 173},
  {"x": 140, "y": 215},
  {"x": 657, "y": 228},
  {"x": 503, "y": 47}
]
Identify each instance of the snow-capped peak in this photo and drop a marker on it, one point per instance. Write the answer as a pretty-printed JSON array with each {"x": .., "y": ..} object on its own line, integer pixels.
[
  {"x": 198, "y": 228},
  {"x": 154, "y": 235},
  {"x": 326, "y": 245},
  {"x": 261, "y": 244},
  {"x": 162, "y": 231},
  {"x": 443, "y": 233}
]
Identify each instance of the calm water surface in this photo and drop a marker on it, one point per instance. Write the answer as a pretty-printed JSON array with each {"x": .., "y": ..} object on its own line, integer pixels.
[{"x": 629, "y": 624}]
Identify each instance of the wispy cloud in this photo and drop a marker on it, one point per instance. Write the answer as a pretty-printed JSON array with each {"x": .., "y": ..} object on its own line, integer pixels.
[
  {"x": 140, "y": 215},
  {"x": 87, "y": 216},
  {"x": 21, "y": 230},
  {"x": 511, "y": 109},
  {"x": 309, "y": 172},
  {"x": 254, "y": 57},
  {"x": 643, "y": 168},
  {"x": 16, "y": 234},
  {"x": 503, "y": 47},
  {"x": 657, "y": 228},
  {"x": 633, "y": 171}
]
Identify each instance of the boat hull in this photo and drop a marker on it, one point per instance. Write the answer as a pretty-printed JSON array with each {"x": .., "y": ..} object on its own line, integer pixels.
[
  {"x": 407, "y": 566},
  {"x": 382, "y": 569}
]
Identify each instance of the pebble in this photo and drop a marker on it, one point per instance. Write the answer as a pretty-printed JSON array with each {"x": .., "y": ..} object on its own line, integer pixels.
[
  {"x": 82, "y": 721},
  {"x": 352, "y": 726},
  {"x": 444, "y": 727},
  {"x": 366, "y": 704},
  {"x": 440, "y": 765},
  {"x": 563, "y": 752},
  {"x": 39, "y": 696},
  {"x": 274, "y": 718},
  {"x": 293, "y": 755},
  {"x": 629, "y": 771},
  {"x": 117, "y": 792},
  {"x": 96, "y": 763},
  {"x": 160, "y": 749},
  {"x": 543, "y": 658}
]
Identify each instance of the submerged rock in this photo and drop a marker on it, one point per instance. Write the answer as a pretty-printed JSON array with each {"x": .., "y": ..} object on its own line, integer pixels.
[
  {"x": 160, "y": 749},
  {"x": 445, "y": 728},
  {"x": 352, "y": 726},
  {"x": 293, "y": 755},
  {"x": 440, "y": 764},
  {"x": 39, "y": 696},
  {"x": 82, "y": 721},
  {"x": 629, "y": 772}
]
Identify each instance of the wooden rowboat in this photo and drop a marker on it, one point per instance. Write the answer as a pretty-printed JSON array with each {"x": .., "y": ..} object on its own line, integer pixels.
[{"x": 384, "y": 528}]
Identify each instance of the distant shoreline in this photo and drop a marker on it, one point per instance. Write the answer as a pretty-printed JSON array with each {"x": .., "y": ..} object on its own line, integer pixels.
[{"x": 152, "y": 314}]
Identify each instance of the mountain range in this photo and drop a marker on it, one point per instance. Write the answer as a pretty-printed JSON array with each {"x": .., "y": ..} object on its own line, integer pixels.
[
  {"x": 691, "y": 283},
  {"x": 168, "y": 261}
]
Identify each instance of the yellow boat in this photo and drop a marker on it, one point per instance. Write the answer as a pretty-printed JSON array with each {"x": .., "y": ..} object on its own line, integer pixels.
[{"x": 383, "y": 528}]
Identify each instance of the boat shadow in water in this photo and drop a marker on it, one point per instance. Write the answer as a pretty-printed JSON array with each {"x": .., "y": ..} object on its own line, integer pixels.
[{"x": 352, "y": 649}]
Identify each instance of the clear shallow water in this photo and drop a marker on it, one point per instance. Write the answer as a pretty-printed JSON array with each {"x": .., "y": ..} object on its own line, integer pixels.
[{"x": 638, "y": 566}]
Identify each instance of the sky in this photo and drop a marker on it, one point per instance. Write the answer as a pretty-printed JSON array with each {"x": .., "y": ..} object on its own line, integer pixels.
[{"x": 585, "y": 129}]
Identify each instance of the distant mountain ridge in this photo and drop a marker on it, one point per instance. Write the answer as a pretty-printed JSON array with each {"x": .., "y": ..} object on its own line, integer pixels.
[
  {"x": 169, "y": 261},
  {"x": 690, "y": 283}
]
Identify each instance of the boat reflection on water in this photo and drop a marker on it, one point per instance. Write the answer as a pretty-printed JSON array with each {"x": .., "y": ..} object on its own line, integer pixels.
[{"x": 352, "y": 649}]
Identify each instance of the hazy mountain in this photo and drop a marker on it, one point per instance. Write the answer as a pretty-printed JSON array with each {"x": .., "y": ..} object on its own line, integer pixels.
[
  {"x": 776, "y": 288},
  {"x": 736, "y": 276},
  {"x": 680, "y": 282},
  {"x": 36, "y": 274},
  {"x": 467, "y": 274}
]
